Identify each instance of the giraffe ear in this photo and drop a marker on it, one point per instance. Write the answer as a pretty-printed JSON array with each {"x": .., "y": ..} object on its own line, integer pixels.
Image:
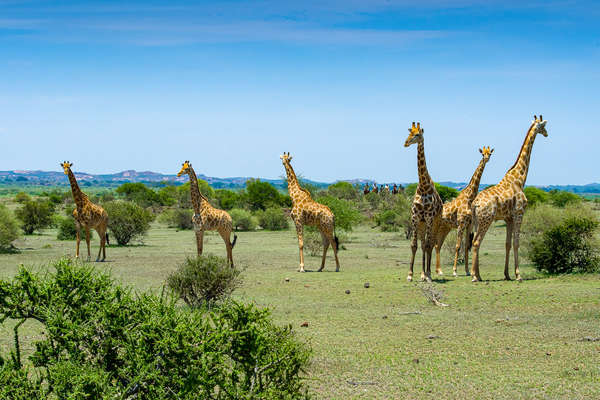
[
  {"x": 491, "y": 151},
  {"x": 481, "y": 151},
  {"x": 541, "y": 118}
]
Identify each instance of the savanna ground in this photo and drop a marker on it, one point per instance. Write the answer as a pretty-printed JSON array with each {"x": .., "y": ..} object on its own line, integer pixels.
[{"x": 496, "y": 340}]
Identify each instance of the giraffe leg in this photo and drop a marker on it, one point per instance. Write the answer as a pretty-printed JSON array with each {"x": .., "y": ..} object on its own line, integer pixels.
[
  {"x": 459, "y": 238},
  {"x": 78, "y": 237},
  {"x": 299, "y": 231},
  {"x": 428, "y": 249},
  {"x": 479, "y": 235},
  {"x": 226, "y": 235},
  {"x": 516, "y": 233},
  {"x": 87, "y": 241},
  {"x": 325, "y": 241},
  {"x": 413, "y": 247},
  {"x": 199, "y": 241},
  {"x": 334, "y": 245},
  {"x": 102, "y": 235},
  {"x": 509, "y": 232},
  {"x": 467, "y": 248}
]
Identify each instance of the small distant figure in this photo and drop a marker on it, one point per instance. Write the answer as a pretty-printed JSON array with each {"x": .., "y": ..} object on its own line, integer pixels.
[
  {"x": 375, "y": 188},
  {"x": 395, "y": 189},
  {"x": 387, "y": 188},
  {"x": 366, "y": 189},
  {"x": 381, "y": 188},
  {"x": 400, "y": 189}
]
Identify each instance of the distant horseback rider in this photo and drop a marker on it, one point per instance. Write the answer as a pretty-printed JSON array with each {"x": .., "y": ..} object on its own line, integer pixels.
[
  {"x": 366, "y": 189},
  {"x": 387, "y": 188},
  {"x": 375, "y": 188},
  {"x": 395, "y": 189}
]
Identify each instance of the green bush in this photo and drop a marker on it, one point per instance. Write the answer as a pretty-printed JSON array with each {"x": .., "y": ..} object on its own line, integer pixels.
[
  {"x": 346, "y": 214},
  {"x": 179, "y": 218},
  {"x": 127, "y": 221},
  {"x": 66, "y": 229},
  {"x": 99, "y": 340},
  {"x": 9, "y": 229},
  {"x": 390, "y": 221},
  {"x": 545, "y": 216},
  {"x": 22, "y": 197},
  {"x": 227, "y": 199},
  {"x": 535, "y": 196},
  {"x": 343, "y": 190},
  {"x": 204, "y": 280},
  {"x": 242, "y": 220},
  {"x": 184, "y": 199},
  {"x": 262, "y": 195},
  {"x": 561, "y": 198},
  {"x": 566, "y": 247},
  {"x": 446, "y": 193},
  {"x": 35, "y": 216},
  {"x": 273, "y": 219}
]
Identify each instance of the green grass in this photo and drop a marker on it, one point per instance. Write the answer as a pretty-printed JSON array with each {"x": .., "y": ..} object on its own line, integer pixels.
[{"x": 496, "y": 340}]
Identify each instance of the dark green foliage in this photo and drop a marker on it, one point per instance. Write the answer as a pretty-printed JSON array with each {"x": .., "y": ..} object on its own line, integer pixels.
[
  {"x": 566, "y": 247},
  {"x": 9, "y": 228},
  {"x": 262, "y": 195},
  {"x": 343, "y": 190},
  {"x": 127, "y": 221},
  {"x": 242, "y": 220},
  {"x": 535, "y": 196},
  {"x": 410, "y": 190},
  {"x": 66, "y": 229},
  {"x": 227, "y": 199},
  {"x": 561, "y": 198},
  {"x": 204, "y": 280},
  {"x": 184, "y": 199},
  {"x": 35, "y": 215},
  {"x": 179, "y": 218},
  {"x": 56, "y": 196},
  {"x": 445, "y": 192},
  {"x": 100, "y": 341},
  {"x": 273, "y": 219},
  {"x": 139, "y": 193},
  {"x": 22, "y": 197},
  {"x": 346, "y": 214}
]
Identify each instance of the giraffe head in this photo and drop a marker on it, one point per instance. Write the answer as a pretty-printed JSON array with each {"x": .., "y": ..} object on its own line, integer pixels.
[
  {"x": 486, "y": 152},
  {"x": 540, "y": 125},
  {"x": 185, "y": 167},
  {"x": 415, "y": 134},
  {"x": 285, "y": 158},
  {"x": 66, "y": 166}
]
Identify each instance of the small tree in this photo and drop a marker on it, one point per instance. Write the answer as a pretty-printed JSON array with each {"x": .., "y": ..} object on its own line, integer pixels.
[
  {"x": 22, "y": 197},
  {"x": 561, "y": 198},
  {"x": 9, "y": 228},
  {"x": 66, "y": 229},
  {"x": 204, "y": 280},
  {"x": 261, "y": 195},
  {"x": 346, "y": 214},
  {"x": 535, "y": 196},
  {"x": 343, "y": 190},
  {"x": 242, "y": 220},
  {"x": 179, "y": 218},
  {"x": 127, "y": 220},
  {"x": 35, "y": 216},
  {"x": 273, "y": 219}
]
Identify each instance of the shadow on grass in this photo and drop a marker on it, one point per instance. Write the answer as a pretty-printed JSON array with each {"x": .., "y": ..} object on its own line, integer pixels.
[{"x": 12, "y": 250}]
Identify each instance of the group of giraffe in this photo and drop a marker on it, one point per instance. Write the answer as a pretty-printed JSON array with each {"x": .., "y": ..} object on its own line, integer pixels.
[{"x": 431, "y": 221}]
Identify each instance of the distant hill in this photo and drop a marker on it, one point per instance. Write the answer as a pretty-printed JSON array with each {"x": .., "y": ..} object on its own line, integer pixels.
[{"x": 58, "y": 178}]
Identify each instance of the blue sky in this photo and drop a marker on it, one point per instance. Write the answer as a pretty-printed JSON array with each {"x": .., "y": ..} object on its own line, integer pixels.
[{"x": 230, "y": 85}]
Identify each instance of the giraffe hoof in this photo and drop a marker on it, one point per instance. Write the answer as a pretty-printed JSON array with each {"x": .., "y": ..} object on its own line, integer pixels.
[
  {"x": 454, "y": 274},
  {"x": 440, "y": 273},
  {"x": 474, "y": 279},
  {"x": 520, "y": 279},
  {"x": 337, "y": 270},
  {"x": 507, "y": 278},
  {"x": 409, "y": 278}
]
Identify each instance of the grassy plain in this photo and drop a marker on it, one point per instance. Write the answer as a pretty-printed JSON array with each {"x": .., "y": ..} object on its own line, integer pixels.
[{"x": 496, "y": 340}]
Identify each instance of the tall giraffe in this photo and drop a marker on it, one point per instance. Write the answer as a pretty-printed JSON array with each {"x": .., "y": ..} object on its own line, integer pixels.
[
  {"x": 506, "y": 201},
  {"x": 426, "y": 207},
  {"x": 457, "y": 214},
  {"x": 87, "y": 215},
  {"x": 306, "y": 211},
  {"x": 206, "y": 217}
]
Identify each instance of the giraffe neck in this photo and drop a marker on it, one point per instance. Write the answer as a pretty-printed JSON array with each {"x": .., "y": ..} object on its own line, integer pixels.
[
  {"x": 78, "y": 196},
  {"x": 424, "y": 178},
  {"x": 294, "y": 189},
  {"x": 473, "y": 187},
  {"x": 197, "y": 198},
  {"x": 518, "y": 172}
]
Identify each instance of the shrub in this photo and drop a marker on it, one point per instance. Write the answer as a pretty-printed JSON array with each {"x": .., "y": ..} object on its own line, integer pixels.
[
  {"x": 346, "y": 214},
  {"x": 35, "y": 216},
  {"x": 535, "y": 196},
  {"x": 22, "y": 197},
  {"x": 445, "y": 192},
  {"x": 178, "y": 218},
  {"x": 561, "y": 198},
  {"x": 106, "y": 342},
  {"x": 392, "y": 220},
  {"x": 242, "y": 220},
  {"x": 204, "y": 280},
  {"x": 566, "y": 247},
  {"x": 184, "y": 199},
  {"x": 228, "y": 199},
  {"x": 127, "y": 221},
  {"x": 343, "y": 190},
  {"x": 9, "y": 228},
  {"x": 66, "y": 229},
  {"x": 262, "y": 195},
  {"x": 273, "y": 219},
  {"x": 545, "y": 216}
]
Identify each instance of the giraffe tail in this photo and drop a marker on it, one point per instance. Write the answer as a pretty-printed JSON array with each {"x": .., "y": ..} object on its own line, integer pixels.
[
  {"x": 475, "y": 225},
  {"x": 107, "y": 241},
  {"x": 337, "y": 242},
  {"x": 234, "y": 240}
]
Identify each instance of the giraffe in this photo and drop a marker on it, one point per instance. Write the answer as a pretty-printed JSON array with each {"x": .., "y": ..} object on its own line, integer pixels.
[
  {"x": 457, "y": 214},
  {"x": 426, "y": 207},
  {"x": 87, "y": 215},
  {"x": 306, "y": 211},
  {"x": 206, "y": 217},
  {"x": 505, "y": 201}
]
